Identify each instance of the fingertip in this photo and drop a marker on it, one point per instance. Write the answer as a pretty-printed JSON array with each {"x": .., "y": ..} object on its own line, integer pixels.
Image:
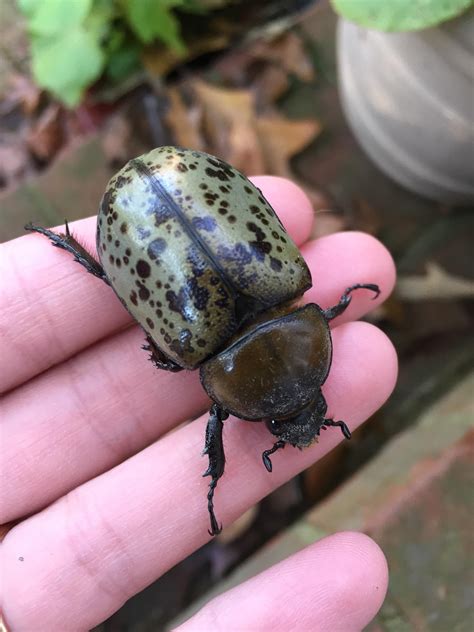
[
  {"x": 357, "y": 579},
  {"x": 365, "y": 347},
  {"x": 291, "y": 204},
  {"x": 336, "y": 583}
]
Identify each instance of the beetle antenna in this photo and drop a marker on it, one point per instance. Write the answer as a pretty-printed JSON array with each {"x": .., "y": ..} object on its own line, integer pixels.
[{"x": 266, "y": 455}]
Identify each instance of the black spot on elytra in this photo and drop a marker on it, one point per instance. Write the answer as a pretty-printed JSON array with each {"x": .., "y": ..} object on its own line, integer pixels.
[
  {"x": 150, "y": 323},
  {"x": 134, "y": 297},
  {"x": 182, "y": 345},
  {"x": 217, "y": 173},
  {"x": 260, "y": 246},
  {"x": 121, "y": 181},
  {"x": 123, "y": 228},
  {"x": 177, "y": 302},
  {"x": 181, "y": 167},
  {"x": 143, "y": 292},
  {"x": 143, "y": 269}
]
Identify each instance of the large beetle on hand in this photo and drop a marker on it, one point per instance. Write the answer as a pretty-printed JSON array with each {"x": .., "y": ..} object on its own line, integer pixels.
[{"x": 201, "y": 261}]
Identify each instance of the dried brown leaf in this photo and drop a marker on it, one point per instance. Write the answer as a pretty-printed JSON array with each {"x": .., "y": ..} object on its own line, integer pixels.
[
  {"x": 287, "y": 52},
  {"x": 436, "y": 284},
  {"x": 47, "y": 135},
  {"x": 229, "y": 125},
  {"x": 271, "y": 83},
  {"x": 184, "y": 122},
  {"x": 14, "y": 161},
  {"x": 115, "y": 139},
  {"x": 281, "y": 139},
  {"x": 24, "y": 92}
]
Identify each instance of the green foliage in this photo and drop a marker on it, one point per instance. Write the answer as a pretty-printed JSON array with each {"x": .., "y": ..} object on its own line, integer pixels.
[
  {"x": 400, "y": 15},
  {"x": 75, "y": 42}
]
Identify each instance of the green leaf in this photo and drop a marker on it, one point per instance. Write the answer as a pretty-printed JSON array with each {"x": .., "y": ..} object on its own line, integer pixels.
[
  {"x": 123, "y": 62},
  {"x": 51, "y": 17},
  {"x": 28, "y": 7},
  {"x": 153, "y": 19},
  {"x": 400, "y": 15},
  {"x": 67, "y": 64}
]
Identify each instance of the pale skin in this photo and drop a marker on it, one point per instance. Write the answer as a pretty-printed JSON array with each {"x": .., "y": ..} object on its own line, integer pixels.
[{"x": 105, "y": 501}]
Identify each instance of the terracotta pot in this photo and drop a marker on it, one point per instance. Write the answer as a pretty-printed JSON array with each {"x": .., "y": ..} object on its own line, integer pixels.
[{"x": 409, "y": 98}]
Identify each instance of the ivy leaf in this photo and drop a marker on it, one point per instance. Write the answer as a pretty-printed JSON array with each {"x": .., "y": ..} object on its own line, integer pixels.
[
  {"x": 67, "y": 64},
  {"x": 51, "y": 17},
  {"x": 400, "y": 15},
  {"x": 152, "y": 19}
]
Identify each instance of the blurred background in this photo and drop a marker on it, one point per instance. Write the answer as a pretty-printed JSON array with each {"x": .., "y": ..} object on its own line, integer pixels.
[{"x": 369, "y": 106}]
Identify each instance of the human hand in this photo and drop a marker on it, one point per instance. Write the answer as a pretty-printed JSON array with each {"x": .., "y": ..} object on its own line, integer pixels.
[{"x": 107, "y": 500}]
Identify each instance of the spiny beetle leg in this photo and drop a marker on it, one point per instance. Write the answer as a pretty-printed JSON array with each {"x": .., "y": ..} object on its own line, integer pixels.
[
  {"x": 160, "y": 359},
  {"x": 343, "y": 304},
  {"x": 214, "y": 449},
  {"x": 67, "y": 242}
]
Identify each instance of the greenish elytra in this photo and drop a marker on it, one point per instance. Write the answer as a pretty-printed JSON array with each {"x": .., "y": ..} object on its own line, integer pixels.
[{"x": 201, "y": 261}]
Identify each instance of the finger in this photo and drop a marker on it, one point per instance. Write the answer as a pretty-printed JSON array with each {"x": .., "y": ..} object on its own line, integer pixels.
[
  {"x": 111, "y": 409},
  {"x": 344, "y": 259},
  {"x": 51, "y": 308},
  {"x": 84, "y": 556},
  {"x": 338, "y": 583},
  {"x": 84, "y": 416}
]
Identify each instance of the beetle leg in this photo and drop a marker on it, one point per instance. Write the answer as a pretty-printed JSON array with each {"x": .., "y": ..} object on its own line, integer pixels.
[
  {"x": 340, "y": 424},
  {"x": 266, "y": 455},
  {"x": 67, "y": 242},
  {"x": 343, "y": 304},
  {"x": 321, "y": 407},
  {"x": 159, "y": 358},
  {"x": 214, "y": 448}
]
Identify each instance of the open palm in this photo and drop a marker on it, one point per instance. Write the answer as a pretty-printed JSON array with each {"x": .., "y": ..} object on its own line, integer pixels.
[{"x": 107, "y": 499}]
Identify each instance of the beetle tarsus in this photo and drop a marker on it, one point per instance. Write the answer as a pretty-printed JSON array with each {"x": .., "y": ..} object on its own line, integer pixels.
[
  {"x": 340, "y": 424},
  {"x": 346, "y": 298},
  {"x": 266, "y": 455},
  {"x": 67, "y": 242},
  {"x": 160, "y": 359},
  {"x": 214, "y": 449}
]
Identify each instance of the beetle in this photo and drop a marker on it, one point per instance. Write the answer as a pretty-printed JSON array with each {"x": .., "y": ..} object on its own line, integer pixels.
[{"x": 201, "y": 261}]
